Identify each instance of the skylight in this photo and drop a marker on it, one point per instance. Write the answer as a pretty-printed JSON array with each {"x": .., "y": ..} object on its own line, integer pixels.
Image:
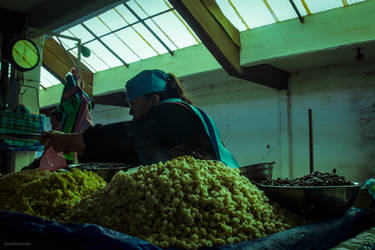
[
  {"x": 140, "y": 29},
  {"x": 132, "y": 31},
  {"x": 47, "y": 79},
  {"x": 246, "y": 14}
]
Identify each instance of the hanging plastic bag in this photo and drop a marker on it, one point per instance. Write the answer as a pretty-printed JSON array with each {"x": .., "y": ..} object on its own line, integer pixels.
[{"x": 51, "y": 160}]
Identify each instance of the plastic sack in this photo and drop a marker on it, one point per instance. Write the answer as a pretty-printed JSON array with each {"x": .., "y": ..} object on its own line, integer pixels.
[
  {"x": 320, "y": 235},
  {"x": 51, "y": 160},
  {"x": 32, "y": 232},
  {"x": 43, "y": 234}
]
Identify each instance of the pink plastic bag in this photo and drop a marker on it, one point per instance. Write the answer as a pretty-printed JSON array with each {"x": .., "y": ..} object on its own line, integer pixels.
[{"x": 51, "y": 160}]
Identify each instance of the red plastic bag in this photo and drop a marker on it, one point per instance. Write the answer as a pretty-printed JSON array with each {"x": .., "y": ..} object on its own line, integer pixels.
[{"x": 51, "y": 160}]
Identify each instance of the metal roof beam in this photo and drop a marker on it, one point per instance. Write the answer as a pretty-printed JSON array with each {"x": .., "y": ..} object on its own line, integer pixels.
[
  {"x": 300, "y": 17},
  {"x": 12, "y": 22},
  {"x": 57, "y": 61},
  {"x": 148, "y": 28},
  {"x": 222, "y": 39},
  {"x": 105, "y": 45},
  {"x": 61, "y": 15},
  {"x": 121, "y": 28}
]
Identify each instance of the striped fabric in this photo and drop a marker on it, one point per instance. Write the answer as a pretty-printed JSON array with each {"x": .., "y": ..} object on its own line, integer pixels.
[{"x": 21, "y": 121}]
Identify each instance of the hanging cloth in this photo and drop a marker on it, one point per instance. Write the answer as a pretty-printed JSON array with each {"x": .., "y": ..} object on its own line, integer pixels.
[
  {"x": 75, "y": 104},
  {"x": 84, "y": 119},
  {"x": 222, "y": 154},
  {"x": 69, "y": 104}
]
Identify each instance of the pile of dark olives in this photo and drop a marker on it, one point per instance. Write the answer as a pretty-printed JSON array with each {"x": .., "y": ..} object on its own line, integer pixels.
[{"x": 314, "y": 179}]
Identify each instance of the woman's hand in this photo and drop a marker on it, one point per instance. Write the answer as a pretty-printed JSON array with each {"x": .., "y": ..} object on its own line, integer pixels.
[
  {"x": 45, "y": 139},
  {"x": 53, "y": 139},
  {"x": 63, "y": 142}
]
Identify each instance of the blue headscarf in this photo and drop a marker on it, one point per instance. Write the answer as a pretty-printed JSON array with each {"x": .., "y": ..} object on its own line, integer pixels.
[{"x": 146, "y": 82}]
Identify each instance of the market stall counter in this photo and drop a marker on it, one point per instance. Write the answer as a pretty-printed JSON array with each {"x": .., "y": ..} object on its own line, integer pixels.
[{"x": 184, "y": 203}]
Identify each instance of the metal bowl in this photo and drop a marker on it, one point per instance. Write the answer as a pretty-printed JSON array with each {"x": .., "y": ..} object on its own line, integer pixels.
[
  {"x": 314, "y": 202},
  {"x": 258, "y": 172},
  {"x": 105, "y": 170}
]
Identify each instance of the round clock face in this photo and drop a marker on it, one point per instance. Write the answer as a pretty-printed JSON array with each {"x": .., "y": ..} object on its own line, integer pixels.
[{"x": 25, "y": 55}]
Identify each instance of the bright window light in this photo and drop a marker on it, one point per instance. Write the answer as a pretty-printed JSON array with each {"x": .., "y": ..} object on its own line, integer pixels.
[
  {"x": 47, "y": 79},
  {"x": 125, "y": 29}
]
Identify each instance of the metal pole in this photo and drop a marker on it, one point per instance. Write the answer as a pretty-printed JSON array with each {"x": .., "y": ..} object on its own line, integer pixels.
[
  {"x": 311, "y": 143},
  {"x": 296, "y": 10},
  {"x": 66, "y": 52},
  {"x": 79, "y": 60},
  {"x": 148, "y": 28},
  {"x": 105, "y": 45}
]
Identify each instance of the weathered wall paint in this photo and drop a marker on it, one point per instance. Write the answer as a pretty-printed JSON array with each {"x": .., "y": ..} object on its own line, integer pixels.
[{"x": 343, "y": 103}]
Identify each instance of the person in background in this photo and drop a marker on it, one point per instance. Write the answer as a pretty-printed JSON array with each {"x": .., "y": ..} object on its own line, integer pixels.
[
  {"x": 165, "y": 124},
  {"x": 55, "y": 120}
]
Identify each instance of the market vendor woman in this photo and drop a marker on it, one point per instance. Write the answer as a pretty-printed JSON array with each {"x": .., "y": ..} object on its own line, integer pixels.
[{"x": 165, "y": 124}]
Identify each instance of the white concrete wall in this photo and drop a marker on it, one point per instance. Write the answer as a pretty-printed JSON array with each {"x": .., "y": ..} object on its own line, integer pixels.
[
  {"x": 342, "y": 100},
  {"x": 106, "y": 114},
  {"x": 254, "y": 122}
]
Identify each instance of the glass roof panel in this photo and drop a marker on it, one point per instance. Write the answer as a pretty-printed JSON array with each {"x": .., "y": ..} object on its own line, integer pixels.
[
  {"x": 283, "y": 9},
  {"x": 132, "y": 4},
  {"x": 150, "y": 7},
  {"x": 80, "y": 32},
  {"x": 175, "y": 29},
  {"x": 150, "y": 38},
  {"x": 231, "y": 14},
  {"x": 161, "y": 33},
  {"x": 67, "y": 43},
  {"x": 122, "y": 49},
  {"x": 93, "y": 60},
  {"x": 322, "y": 5},
  {"x": 105, "y": 55},
  {"x": 47, "y": 79},
  {"x": 355, "y": 1},
  {"x": 136, "y": 43},
  {"x": 96, "y": 26},
  {"x": 126, "y": 14},
  {"x": 300, "y": 7},
  {"x": 254, "y": 13},
  {"x": 83, "y": 60},
  {"x": 112, "y": 19}
]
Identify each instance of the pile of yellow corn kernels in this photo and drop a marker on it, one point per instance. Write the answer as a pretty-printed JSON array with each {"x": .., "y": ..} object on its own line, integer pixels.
[
  {"x": 44, "y": 193},
  {"x": 183, "y": 203}
]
